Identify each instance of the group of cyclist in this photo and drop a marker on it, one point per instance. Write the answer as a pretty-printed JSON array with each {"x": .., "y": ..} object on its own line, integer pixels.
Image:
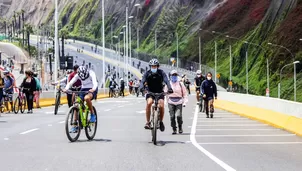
[{"x": 154, "y": 80}]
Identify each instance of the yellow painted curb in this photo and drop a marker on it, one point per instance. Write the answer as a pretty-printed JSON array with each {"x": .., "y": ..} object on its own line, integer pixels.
[
  {"x": 276, "y": 119},
  {"x": 51, "y": 101}
]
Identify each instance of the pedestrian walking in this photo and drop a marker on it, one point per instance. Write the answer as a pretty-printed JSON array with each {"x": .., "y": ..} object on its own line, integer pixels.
[
  {"x": 29, "y": 87},
  {"x": 176, "y": 101},
  {"x": 209, "y": 91}
]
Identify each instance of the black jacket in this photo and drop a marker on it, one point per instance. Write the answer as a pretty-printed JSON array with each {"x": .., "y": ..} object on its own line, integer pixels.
[
  {"x": 155, "y": 81},
  {"x": 209, "y": 88},
  {"x": 29, "y": 87}
]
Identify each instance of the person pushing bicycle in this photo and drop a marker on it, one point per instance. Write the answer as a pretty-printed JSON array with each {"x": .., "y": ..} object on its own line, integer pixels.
[
  {"x": 197, "y": 83},
  {"x": 154, "y": 79},
  {"x": 88, "y": 91}
]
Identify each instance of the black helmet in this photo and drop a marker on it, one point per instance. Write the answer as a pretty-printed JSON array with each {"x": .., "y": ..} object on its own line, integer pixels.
[{"x": 154, "y": 62}]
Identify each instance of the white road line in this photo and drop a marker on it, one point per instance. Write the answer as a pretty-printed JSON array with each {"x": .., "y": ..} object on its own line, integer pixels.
[
  {"x": 268, "y": 129},
  {"x": 120, "y": 106},
  {"x": 49, "y": 124},
  {"x": 61, "y": 122},
  {"x": 207, "y": 153},
  {"x": 28, "y": 131},
  {"x": 256, "y": 135},
  {"x": 249, "y": 143},
  {"x": 244, "y": 125},
  {"x": 6, "y": 139},
  {"x": 141, "y": 111},
  {"x": 106, "y": 110},
  {"x": 223, "y": 121}
]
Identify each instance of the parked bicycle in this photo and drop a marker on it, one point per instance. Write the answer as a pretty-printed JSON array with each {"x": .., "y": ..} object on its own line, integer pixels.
[
  {"x": 5, "y": 102},
  {"x": 20, "y": 102},
  {"x": 78, "y": 116}
]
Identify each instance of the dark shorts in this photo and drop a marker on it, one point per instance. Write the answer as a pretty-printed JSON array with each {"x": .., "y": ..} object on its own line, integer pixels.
[
  {"x": 162, "y": 97},
  {"x": 82, "y": 95}
]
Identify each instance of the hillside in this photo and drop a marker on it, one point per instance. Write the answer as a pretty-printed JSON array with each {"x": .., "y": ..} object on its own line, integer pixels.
[{"x": 257, "y": 21}]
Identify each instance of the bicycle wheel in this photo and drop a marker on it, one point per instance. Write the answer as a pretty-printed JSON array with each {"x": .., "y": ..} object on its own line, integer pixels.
[
  {"x": 57, "y": 103},
  {"x": 23, "y": 105},
  {"x": 154, "y": 127},
  {"x": 90, "y": 129},
  {"x": 2, "y": 109},
  {"x": 69, "y": 123},
  {"x": 16, "y": 105}
]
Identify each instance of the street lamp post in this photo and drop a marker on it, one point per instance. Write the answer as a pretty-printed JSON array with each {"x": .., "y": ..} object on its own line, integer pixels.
[
  {"x": 130, "y": 40},
  {"x": 177, "y": 51},
  {"x": 295, "y": 78},
  {"x": 137, "y": 29},
  {"x": 294, "y": 62},
  {"x": 127, "y": 42},
  {"x": 103, "y": 36},
  {"x": 56, "y": 41},
  {"x": 199, "y": 42}
]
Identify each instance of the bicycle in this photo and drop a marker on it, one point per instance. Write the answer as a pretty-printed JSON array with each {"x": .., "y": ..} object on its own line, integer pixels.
[
  {"x": 58, "y": 99},
  {"x": 20, "y": 102},
  {"x": 155, "y": 115},
  {"x": 80, "y": 111},
  {"x": 6, "y": 98}
]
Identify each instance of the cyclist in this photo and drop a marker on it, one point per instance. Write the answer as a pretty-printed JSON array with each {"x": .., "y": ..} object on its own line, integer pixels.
[
  {"x": 197, "y": 83},
  {"x": 112, "y": 87},
  {"x": 209, "y": 91},
  {"x": 154, "y": 79},
  {"x": 8, "y": 89},
  {"x": 75, "y": 87},
  {"x": 122, "y": 85},
  {"x": 89, "y": 86}
]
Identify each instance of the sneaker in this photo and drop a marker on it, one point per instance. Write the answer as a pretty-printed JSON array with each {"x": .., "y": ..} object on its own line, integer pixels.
[
  {"x": 92, "y": 118},
  {"x": 161, "y": 126},
  {"x": 180, "y": 130},
  {"x": 148, "y": 125},
  {"x": 74, "y": 129},
  {"x": 207, "y": 115},
  {"x": 174, "y": 131},
  {"x": 212, "y": 115}
]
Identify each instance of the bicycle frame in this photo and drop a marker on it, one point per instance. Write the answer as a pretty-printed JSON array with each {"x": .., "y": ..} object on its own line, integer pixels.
[{"x": 80, "y": 104}]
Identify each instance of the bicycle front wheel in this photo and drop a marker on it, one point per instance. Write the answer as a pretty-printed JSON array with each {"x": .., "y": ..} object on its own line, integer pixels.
[
  {"x": 17, "y": 105},
  {"x": 22, "y": 105},
  {"x": 154, "y": 127},
  {"x": 72, "y": 123},
  {"x": 90, "y": 129},
  {"x": 57, "y": 103}
]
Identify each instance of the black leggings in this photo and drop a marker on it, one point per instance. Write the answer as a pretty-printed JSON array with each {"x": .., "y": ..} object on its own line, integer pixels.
[{"x": 30, "y": 100}]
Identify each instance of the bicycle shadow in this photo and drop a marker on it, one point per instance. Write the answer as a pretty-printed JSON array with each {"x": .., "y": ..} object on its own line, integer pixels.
[
  {"x": 163, "y": 143},
  {"x": 94, "y": 140}
]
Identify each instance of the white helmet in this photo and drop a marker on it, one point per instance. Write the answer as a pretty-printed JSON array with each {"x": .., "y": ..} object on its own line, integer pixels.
[
  {"x": 198, "y": 72},
  {"x": 83, "y": 73}
]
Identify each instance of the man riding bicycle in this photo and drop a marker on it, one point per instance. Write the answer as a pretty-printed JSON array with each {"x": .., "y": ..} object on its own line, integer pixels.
[
  {"x": 154, "y": 79},
  {"x": 197, "y": 83},
  {"x": 89, "y": 89}
]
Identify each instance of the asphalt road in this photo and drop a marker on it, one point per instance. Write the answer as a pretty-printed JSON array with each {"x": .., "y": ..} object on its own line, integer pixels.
[{"x": 37, "y": 142}]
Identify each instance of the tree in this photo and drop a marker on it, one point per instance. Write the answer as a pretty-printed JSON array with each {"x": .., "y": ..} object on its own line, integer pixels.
[
  {"x": 29, "y": 30},
  {"x": 64, "y": 33},
  {"x": 23, "y": 25}
]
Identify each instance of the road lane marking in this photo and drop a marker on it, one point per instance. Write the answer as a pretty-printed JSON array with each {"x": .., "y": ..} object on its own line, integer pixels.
[
  {"x": 6, "y": 139},
  {"x": 256, "y": 135},
  {"x": 49, "y": 124},
  {"x": 141, "y": 111},
  {"x": 268, "y": 129},
  {"x": 106, "y": 110},
  {"x": 120, "y": 106},
  {"x": 249, "y": 143},
  {"x": 200, "y": 148},
  {"x": 61, "y": 122},
  {"x": 223, "y": 121},
  {"x": 29, "y": 131},
  {"x": 244, "y": 125}
]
